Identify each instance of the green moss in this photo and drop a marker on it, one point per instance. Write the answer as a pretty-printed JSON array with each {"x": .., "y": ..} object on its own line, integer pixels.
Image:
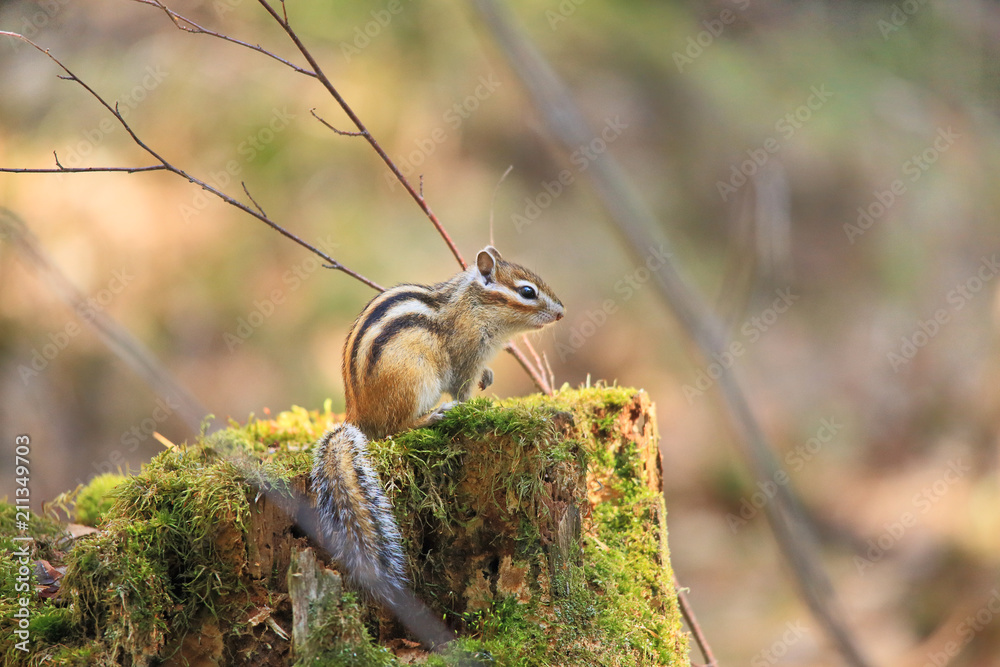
[
  {"x": 289, "y": 431},
  {"x": 616, "y": 604},
  {"x": 625, "y": 567},
  {"x": 421, "y": 467},
  {"x": 95, "y": 499},
  {"x": 171, "y": 547},
  {"x": 53, "y": 625}
]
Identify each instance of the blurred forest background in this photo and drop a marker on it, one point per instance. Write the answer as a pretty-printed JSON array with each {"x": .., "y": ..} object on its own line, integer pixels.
[{"x": 826, "y": 173}]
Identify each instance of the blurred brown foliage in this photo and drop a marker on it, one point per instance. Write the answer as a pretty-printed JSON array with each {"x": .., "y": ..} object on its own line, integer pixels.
[{"x": 826, "y": 171}]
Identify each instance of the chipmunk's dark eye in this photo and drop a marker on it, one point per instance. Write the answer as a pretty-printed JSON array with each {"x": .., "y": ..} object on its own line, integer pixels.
[{"x": 527, "y": 292}]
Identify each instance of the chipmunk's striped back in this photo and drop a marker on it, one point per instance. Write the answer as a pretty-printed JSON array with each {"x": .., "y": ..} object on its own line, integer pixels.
[
  {"x": 410, "y": 345},
  {"x": 388, "y": 315}
]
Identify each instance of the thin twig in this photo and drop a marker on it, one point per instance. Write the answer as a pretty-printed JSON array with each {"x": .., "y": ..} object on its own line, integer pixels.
[
  {"x": 538, "y": 361},
  {"x": 692, "y": 622},
  {"x": 342, "y": 133},
  {"x": 243, "y": 183},
  {"x": 534, "y": 373},
  {"x": 548, "y": 370},
  {"x": 547, "y": 387},
  {"x": 196, "y": 29},
  {"x": 282, "y": 20},
  {"x": 81, "y": 170},
  {"x": 537, "y": 374},
  {"x": 167, "y": 166},
  {"x": 633, "y": 220}
]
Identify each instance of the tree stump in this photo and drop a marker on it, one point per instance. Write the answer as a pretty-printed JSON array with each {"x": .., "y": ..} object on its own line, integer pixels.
[{"x": 534, "y": 527}]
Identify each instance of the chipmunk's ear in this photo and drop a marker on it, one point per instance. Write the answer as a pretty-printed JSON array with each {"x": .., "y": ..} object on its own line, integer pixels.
[
  {"x": 486, "y": 262},
  {"x": 493, "y": 251}
]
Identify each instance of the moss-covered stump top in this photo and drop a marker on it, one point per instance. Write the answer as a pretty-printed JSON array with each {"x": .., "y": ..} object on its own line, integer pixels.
[{"x": 534, "y": 527}]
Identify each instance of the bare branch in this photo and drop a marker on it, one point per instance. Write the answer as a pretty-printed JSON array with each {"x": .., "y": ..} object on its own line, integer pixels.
[
  {"x": 243, "y": 183},
  {"x": 342, "y": 133},
  {"x": 81, "y": 170},
  {"x": 551, "y": 377},
  {"x": 167, "y": 166},
  {"x": 535, "y": 374},
  {"x": 282, "y": 20},
  {"x": 534, "y": 354},
  {"x": 187, "y": 25},
  {"x": 317, "y": 73},
  {"x": 692, "y": 622},
  {"x": 535, "y": 371}
]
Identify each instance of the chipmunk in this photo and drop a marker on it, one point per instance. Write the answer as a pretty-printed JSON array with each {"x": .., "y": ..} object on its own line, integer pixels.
[{"x": 409, "y": 346}]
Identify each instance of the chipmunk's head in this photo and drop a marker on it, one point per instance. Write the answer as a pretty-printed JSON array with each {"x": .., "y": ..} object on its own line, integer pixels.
[{"x": 527, "y": 302}]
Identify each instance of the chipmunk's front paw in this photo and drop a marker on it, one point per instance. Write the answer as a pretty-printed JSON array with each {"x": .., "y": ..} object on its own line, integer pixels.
[{"x": 487, "y": 378}]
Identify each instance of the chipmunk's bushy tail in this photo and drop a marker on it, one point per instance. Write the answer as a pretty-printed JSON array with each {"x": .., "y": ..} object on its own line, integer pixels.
[{"x": 355, "y": 516}]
